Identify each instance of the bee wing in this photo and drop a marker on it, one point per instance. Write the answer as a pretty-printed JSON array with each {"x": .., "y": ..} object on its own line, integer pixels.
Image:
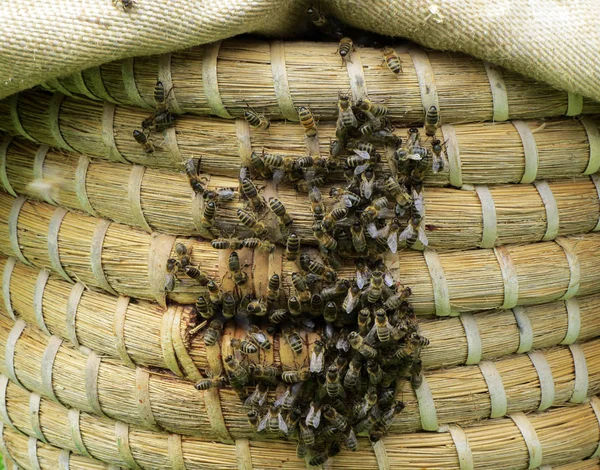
[
  {"x": 226, "y": 194},
  {"x": 422, "y": 236},
  {"x": 406, "y": 233},
  {"x": 372, "y": 230},
  {"x": 262, "y": 426},
  {"x": 310, "y": 416},
  {"x": 387, "y": 276},
  {"x": 418, "y": 203},
  {"x": 352, "y": 302},
  {"x": 278, "y": 175},
  {"x": 341, "y": 391},
  {"x": 347, "y": 201},
  {"x": 316, "y": 362},
  {"x": 392, "y": 242},
  {"x": 283, "y": 427},
  {"x": 363, "y": 154},
  {"x": 366, "y": 187},
  {"x": 250, "y": 400},
  {"x": 371, "y": 336},
  {"x": 400, "y": 209},
  {"x": 414, "y": 156},
  {"x": 316, "y": 419},
  {"x": 360, "y": 169},
  {"x": 383, "y": 232},
  {"x": 437, "y": 163},
  {"x": 281, "y": 398},
  {"x": 361, "y": 279}
]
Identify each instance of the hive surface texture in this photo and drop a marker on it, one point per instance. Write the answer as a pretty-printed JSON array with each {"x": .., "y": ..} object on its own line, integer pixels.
[{"x": 276, "y": 234}]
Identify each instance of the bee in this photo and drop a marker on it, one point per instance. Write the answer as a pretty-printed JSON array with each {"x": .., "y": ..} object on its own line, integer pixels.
[
  {"x": 314, "y": 15},
  {"x": 432, "y": 121},
  {"x": 294, "y": 376},
  {"x": 236, "y": 370},
  {"x": 207, "y": 384},
  {"x": 395, "y": 301},
  {"x": 390, "y": 231},
  {"x": 367, "y": 106},
  {"x": 416, "y": 375},
  {"x": 239, "y": 277},
  {"x": 214, "y": 292},
  {"x": 251, "y": 222},
  {"x": 159, "y": 121},
  {"x": 375, "y": 209},
  {"x": 253, "y": 418},
  {"x": 357, "y": 342},
  {"x": 375, "y": 372},
  {"x": 350, "y": 440},
  {"x": 259, "y": 165},
  {"x": 258, "y": 397},
  {"x": 353, "y": 373},
  {"x": 125, "y": 4},
  {"x": 359, "y": 242},
  {"x": 142, "y": 139},
  {"x": 286, "y": 164},
  {"x": 250, "y": 191},
  {"x": 288, "y": 398},
  {"x": 171, "y": 268},
  {"x": 255, "y": 243},
  {"x": 316, "y": 305},
  {"x": 292, "y": 338},
  {"x": 333, "y": 383},
  {"x": 345, "y": 196},
  {"x": 244, "y": 346},
  {"x": 335, "y": 418},
  {"x": 257, "y": 121},
  {"x": 328, "y": 274},
  {"x": 345, "y": 115},
  {"x": 316, "y": 202},
  {"x": 213, "y": 332},
  {"x": 294, "y": 306},
  {"x": 220, "y": 195},
  {"x": 363, "y": 146},
  {"x": 375, "y": 288},
  {"x": 363, "y": 406},
  {"x": 335, "y": 215},
  {"x": 302, "y": 291},
  {"x": 301, "y": 450},
  {"x": 258, "y": 308},
  {"x": 330, "y": 312},
  {"x": 360, "y": 161},
  {"x": 335, "y": 151},
  {"x": 308, "y": 121},
  {"x": 364, "y": 320},
  {"x": 318, "y": 459},
  {"x": 393, "y": 61},
  {"x": 307, "y": 435},
  {"x": 413, "y": 138},
  {"x": 310, "y": 161},
  {"x": 257, "y": 335},
  {"x": 208, "y": 214},
  {"x": 367, "y": 183},
  {"x": 266, "y": 373},
  {"x": 345, "y": 48},
  {"x": 382, "y": 326},
  {"x": 278, "y": 316},
  {"x": 279, "y": 210},
  {"x": 399, "y": 193},
  {"x": 204, "y": 308},
  {"x": 195, "y": 273},
  {"x": 292, "y": 247},
  {"x": 351, "y": 300},
  {"x": 439, "y": 160},
  {"x": 313, "y": 417},
  {"x": 368, "y": 423},
  {"x": 405, "y": 350},
  {"x": 229, "y": 305},
  {"x": 387, "y": 418},
  {"x": 309, "y": 182},
  {"x": 192, "y": 171},
  {"x": 414, "y": 232},
  {"x": 273, "y": 289},
  {"x": 419, "y": 340},
  {"x": 317, "y": 358}
]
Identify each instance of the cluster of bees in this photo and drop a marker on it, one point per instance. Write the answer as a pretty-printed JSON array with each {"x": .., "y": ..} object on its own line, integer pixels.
[{"x": 368, "y": 342}]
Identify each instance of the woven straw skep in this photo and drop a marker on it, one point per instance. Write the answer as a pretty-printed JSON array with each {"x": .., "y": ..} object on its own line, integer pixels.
[
  {"x": 160, "y": 401},
  {"x": 132, "y": 262},
  {"x": 495, "y": 444},
  {"x": 148, "y": 340},
  {"x": 166, "y": 203},
  {"x": 32, "y": 454},
  {"x": 246, "y": 74},
  {"x": 483, "y": 153}
]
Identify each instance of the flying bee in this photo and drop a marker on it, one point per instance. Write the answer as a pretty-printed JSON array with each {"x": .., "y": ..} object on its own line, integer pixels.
[
  {"x": 143, "y": 140},
  {"x": 353, "y": 373},
  {"x": 195, "y": 273},
  {"x": 295, "y": 376},
  {"x": 393, "y": 61},
  {"x": 235, "y": 369},
  {"x": 337, "y": 213},
  {"x": 292, "y": 247},
  {"x": 439, "y": 160},
  {"x": 213, "y": 332},
  {"x": 252, "y": 222},
  {"x": 257, "y": 335},
  {"x": 279, "y": 210},
  {"x": 273, "y": 289},
  {"x": 257, "y": 121},
  {"x": 345, "y": 48},
  {"x": 330, "y": 312},
  {"x": 352, "y": 299},
  {"x": 258, "y": 308},
  {"x": 367, "y": 183},
  {"x": 317, "y": 357},
  {"x": 360, "y": 161},
  {"x": 229, "y": 305},
  {"x": 313, "y": 417},
  {"x": 414, "y": 232},
  {"x": 376, "y": 109},
  {"x": 345, "y": 115},
  {"x": 208, "y": 214},
  {"x": 250, "y": 191},
  {"x": 328, "y": 274},
  {"x": 203, "y": 307},
  {"x": 308, "y": 121},
  {"x": 171, "y": 268},
  {"x": 357, "y": 342},
  {"x": 314, "y": 15},
  {"x": 125, "y": 4},
  {"x": 207, "y": 384},
  {"x": 316, "y": 203},
  {"x": 259, "y": 165},
  {"x": 258, "y": 397},
  {"x": 375, "y": 209},
  {"x": 432, "y": 121},
  {"x": 335, "y": 418},
  {"x": 239, "y": 277},
  {"x": 293, "y": 339}
]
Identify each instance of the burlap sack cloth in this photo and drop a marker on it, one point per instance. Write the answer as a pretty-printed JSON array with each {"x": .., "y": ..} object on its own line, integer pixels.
[{"x": 555, "y": 41}]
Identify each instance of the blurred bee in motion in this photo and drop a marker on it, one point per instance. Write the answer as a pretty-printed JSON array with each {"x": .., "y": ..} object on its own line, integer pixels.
[
  {"x": 308, "y": 121},
  {"x": 314, "y": 15},
  {"x": 257, "y": 121},
  {"x": 432, "y": 121},
  {"x": 392, "y": 60},
  {"x": 279, "y": 210},
  {"x": 125, "y": 4},
  {"x": 143, "y": 140},
  {"x": 252, "y": 222},
  {"x": 345, "y": 48}
]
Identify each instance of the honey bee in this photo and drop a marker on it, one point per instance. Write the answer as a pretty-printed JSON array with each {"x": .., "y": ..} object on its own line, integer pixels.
[
  {"x": 195, "y": 273},
  {"x": 363, "y": 146},
  {"x": 432, "y": 121},
  {"x": 302, "y": 291},
  {"x": 330, "y": 312},
  {"x": 238, "y": 374},
  {"x": 318, "y": 18},
  {"x": 294, "y": 376},
  {"x": 307, "y": 435},
  {"x": 244, "y": 346},
  {"x": 254, "y": 243},
  {"x": 414, "y": 232},
  {"x": 353, "y": 373},
  {"x": 208, "y": 214},
  {"x": 333, "y": 383},
  {"x": 214, "y": 292},
  {"x": 345, "y": 196},
  {"x": 142, "y": 139},
  {"x": 273, "y": 289},
  {"x": 207, "y": 384},
  {"x": 367, "y": 183},
  {"x": 250, "y": 191},
  {"x": 301, "y": 450},
  {"x": 252, "y": 222},
  {"x": 368, "y": 423},
  {"x": 360, "y": 161},
  {"x": 283, "y": 165},
  {"x": 393, "y": 61},
  {"x": 345, "y": 48},
  {"x": 213, "y": 332},
  {"x": 351, "y": 300},
  {"x": 192, "y": 171},
  {"x": 357, "y": 342},
  {"x": 203, "y": 307},
  {"x": 257, "y": 121},
  {"x": 328, "y": 274},
  {"x": 239, "y": 277},
  {"x": 390, "y": 231},
  {"x": 316, "y": 305},
  {"x": 399, "y": 193},
  {"x": 359, "y": 242},
  {"x": 335, "y": 418},
  {"x": 374, "y": 371},
  {"x": 258, "y": 397},
  {"x": 229, "y": 305},
  {"x": 337, "y": 213},
  {"x": 375, "y": 209},
  {"x": 253, "y": 418},
  {"x": 171, "y": 268},
  {"x": 346, "y": 117},
  {"x": 317, "y": 357},
  {"x": 292, "y": 338},
  {"x": 439, "y": 160},
  {"x": 367, "y": 106},
  {"x": 294, "y": 306},
  {"x": 292, "y": 247},
  {"x": 316, "y": 202},
  {"x": 160, "y": 96},
  {"x": 363, "y": 406},
  {"x": 125, "y": 4},
  {"x": 310, "y": 161},
  {"x": 258, "y": 308},
  {"x": 313, "y": 417},
  {"x": 307, "y": 120},
  {"x": 278, "y": 316},
  {"x": 351, "y": 441},
  {"x": 159, "y": 121},
  {"x": 364, "y": 320},
  {"x": 266, "y": 373},
  {"x": 182, "y": 255},
  {"x": 279, "y": 210},
  {"x": 416, "y": 375},
  {"x": 259, "y": 337},
  {"x": 413, "y": 138},
  {"x": 387, "y": 418},
  {"x": 259, "y": 165},
  {"x": 335, "y": 151}
]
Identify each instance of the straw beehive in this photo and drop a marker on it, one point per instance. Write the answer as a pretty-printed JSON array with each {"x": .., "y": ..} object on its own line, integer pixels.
[{"x": 99, "y": 361}]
